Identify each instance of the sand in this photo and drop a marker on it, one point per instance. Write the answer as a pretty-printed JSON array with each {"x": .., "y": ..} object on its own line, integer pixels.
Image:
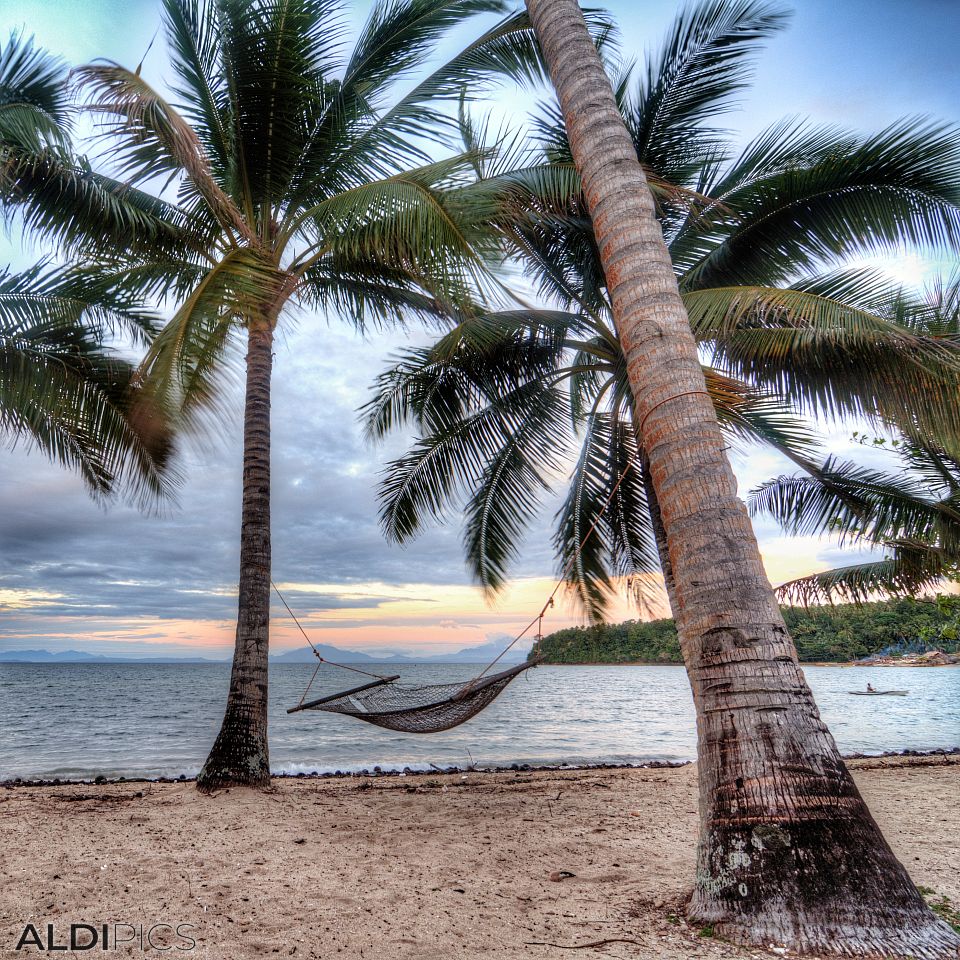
[{"x": 419, "y": 867}]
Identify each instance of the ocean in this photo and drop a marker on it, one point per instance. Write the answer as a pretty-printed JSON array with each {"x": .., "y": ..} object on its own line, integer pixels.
[{"x": 79, "y": 721}]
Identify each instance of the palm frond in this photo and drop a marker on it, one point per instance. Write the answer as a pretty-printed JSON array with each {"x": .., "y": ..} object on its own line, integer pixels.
[
  {"x": 603, "y": 527},
  {"x": 185, "y": 364},
  {"x": 151, "y": 139},
  {"x": 856, "y": 504},
  {"x": 706, "y": 60},
  {"x": 830, "y": 358},
  {"x": 450, "y": 460},
  {"x": 483, "y": 357},
  {"x": 34, "y": 106},
  {"x": 410, "y": 219},
  {"x": 508, "y": 494},
  {"x": 280, "y": 60},
  {"x": 85, "y": 213},
  {"x": 911, "y": 570},
  {"x": 194, "y": 34},
  {"x": 804, "y": 195},
  {"x": 77, "y": 402}
]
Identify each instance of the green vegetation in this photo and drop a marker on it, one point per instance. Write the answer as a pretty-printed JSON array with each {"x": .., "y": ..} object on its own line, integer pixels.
[
  {"x": 942, "y": 906},
  {"x": 831, "y": 634}
]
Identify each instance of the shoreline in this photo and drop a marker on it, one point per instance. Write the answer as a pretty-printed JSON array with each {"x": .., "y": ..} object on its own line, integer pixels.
[{"x": 378, "y": 772}]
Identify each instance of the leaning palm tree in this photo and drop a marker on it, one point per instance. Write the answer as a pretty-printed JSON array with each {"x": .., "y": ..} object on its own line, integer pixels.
[
  {"x": 292, "y": 175},
  {"x": 788, "y": 851},
  {"x": 62, "y": 388},
  {"x": 503, "y": 399}
]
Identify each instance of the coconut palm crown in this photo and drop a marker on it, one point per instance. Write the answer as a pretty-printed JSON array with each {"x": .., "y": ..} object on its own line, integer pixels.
[
  {"x": 508, "y": 402},
  {"x": 288, "y": 168}
]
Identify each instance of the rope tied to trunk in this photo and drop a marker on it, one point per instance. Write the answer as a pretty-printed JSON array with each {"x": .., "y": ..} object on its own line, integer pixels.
[{"x": 660, "y": 403}]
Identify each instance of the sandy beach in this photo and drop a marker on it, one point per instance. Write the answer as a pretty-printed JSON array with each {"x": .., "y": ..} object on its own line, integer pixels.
[{"x": 409, "y": 867}]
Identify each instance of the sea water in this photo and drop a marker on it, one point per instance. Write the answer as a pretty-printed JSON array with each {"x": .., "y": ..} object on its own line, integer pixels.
[{"x": 79, "y": 720}]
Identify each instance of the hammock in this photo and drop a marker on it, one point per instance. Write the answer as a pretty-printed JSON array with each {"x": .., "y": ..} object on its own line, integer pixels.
[
  {"x": 422, "y": 709},
  {"x": 433, "y": 707}
]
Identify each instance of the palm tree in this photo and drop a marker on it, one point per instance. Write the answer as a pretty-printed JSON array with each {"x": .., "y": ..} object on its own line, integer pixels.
[
  {"x": 292, "y": 175},
  {"x": 828, "y": 341},
  {"x": 484, "y": 430},
  {"x": 788, "y": 850},
  {"x": 61, "y": 388}
]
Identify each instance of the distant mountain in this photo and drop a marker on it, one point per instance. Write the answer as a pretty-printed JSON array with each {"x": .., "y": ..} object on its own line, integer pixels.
[
  {"x": 483, "y": 653},
  {"x": 78, "y": 656},
  {"x": 328, "y": 652}
]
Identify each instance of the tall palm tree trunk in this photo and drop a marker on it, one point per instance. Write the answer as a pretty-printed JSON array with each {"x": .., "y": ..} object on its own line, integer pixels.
[
  {"x": 240, "y": 753},
  {"x": 788, "y": 851}
]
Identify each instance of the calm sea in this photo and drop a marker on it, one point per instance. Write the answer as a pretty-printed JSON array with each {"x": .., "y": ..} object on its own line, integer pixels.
[{"x": 81, "y": 720}]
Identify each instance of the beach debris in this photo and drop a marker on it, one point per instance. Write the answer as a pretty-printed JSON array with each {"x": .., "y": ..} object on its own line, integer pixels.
[
  {"x": 580, "y": 946},
  {"x": 559, "y": 875}
]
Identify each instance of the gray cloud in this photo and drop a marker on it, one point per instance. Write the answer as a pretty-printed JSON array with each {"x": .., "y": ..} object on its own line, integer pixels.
[{"x": 116, "y": 564}]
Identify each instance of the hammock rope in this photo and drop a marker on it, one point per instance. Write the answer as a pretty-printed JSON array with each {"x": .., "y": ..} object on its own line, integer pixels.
[{"x": 431, "y": 708}]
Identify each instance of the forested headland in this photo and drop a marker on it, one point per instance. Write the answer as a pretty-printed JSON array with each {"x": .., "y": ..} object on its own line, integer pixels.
[{"x": 831, "y": 634}]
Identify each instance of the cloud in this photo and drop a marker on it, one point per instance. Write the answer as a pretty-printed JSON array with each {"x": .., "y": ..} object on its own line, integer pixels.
[{"x": 72, "y": 572}]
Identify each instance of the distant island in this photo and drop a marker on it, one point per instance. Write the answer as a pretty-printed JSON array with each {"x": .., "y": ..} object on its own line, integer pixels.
[{"x": 841, "y": 633}]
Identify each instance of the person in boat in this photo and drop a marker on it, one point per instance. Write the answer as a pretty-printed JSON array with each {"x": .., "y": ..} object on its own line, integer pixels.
[{"x": 870, "y": 688}]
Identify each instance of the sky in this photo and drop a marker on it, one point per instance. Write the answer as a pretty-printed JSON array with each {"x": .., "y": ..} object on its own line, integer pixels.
[{"x": 76, "y": 575}]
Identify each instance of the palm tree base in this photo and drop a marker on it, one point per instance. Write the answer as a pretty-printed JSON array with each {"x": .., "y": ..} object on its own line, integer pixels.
[
  {"x": 239, "y": 758},
  {"x": 823, "y": 887},
  {"x": 860, "y": 931}
]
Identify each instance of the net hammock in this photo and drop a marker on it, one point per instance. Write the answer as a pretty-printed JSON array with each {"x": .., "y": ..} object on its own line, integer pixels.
[{"x": 428, "y": 708}]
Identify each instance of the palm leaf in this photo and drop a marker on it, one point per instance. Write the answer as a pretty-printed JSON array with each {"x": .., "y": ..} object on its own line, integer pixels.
[
  {"x": 34, "y": 107},
  {"x": 184, "y": 368},
  {"x": 705, "y": 61},
  {"x": 151, "y": 139},
  {"x": 510, "y": 489},
  {"x": 801, "y": 196},
  {"x": 78, "y": 404},
  {"x": 913, "y": 569}
]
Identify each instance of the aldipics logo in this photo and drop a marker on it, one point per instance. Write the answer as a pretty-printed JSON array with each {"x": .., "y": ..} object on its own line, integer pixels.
[{"x": 107, "y": 936}]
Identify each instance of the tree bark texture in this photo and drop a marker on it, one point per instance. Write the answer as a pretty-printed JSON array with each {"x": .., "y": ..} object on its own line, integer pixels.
[
  {"x": 788, "y": 852},
  {"x": 240, "y": 754}
]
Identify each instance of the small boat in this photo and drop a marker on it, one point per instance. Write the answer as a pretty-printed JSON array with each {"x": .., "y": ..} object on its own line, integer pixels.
[{"x": 878, "y": 693}]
